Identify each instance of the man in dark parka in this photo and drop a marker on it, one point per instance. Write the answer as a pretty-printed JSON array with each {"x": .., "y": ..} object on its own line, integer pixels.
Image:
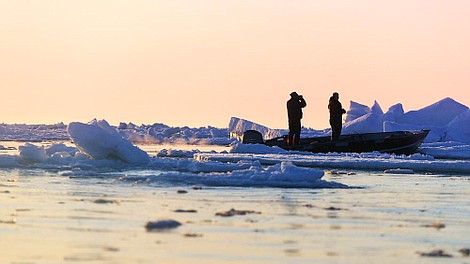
[
  {"x": 294, "y": 114},
  {"x": 336, "y": 116}
]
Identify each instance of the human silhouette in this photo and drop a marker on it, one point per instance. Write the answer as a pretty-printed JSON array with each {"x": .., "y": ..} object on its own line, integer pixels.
[
  {"x": 294, "y": 114},
  {"x": 336, "y": 116}
]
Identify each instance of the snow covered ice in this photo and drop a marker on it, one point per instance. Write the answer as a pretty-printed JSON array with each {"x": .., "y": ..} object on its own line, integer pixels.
[{"x": 101, "y": 141}]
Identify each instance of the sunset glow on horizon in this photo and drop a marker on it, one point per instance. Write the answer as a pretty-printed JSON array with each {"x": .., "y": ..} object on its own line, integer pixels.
[{"x": 198, "y": 63}]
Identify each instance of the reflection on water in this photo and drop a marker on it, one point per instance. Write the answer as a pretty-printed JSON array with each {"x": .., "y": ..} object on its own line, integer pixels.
[{"x": 12, "y": 147}]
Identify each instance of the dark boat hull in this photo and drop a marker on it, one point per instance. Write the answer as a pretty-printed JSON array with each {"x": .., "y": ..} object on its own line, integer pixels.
[{"x": 399, "y": 142}]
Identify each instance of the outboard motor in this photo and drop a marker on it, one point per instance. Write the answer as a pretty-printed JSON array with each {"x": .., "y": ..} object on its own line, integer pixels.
[{"x": 252, "y": 137}]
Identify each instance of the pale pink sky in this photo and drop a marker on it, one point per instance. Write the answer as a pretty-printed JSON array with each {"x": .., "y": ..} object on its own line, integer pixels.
[{"x": 198, "y": 63}]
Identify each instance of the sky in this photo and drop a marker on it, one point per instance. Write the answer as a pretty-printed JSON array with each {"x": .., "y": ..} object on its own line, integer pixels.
[{"x": 198, "y": 63}]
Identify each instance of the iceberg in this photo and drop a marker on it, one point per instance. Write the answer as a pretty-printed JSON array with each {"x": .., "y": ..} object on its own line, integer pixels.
[
  {"x": 99, "y": 140},
  {"x": 437, "y": 114},
  {"x": 237, "y": 126},
  {"x": 459, "y": 128}
]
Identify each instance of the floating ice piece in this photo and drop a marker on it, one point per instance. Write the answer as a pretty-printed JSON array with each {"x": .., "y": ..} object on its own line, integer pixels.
[
  {"x": 174, "y": 153},
  {"x": 435, "y": 253},
  {"x": 359, "y": 161},
  {"x": 161, "y": 225},
  {"x": 7, "y": 148},
  {"x": 99, "y": 140},
  {"x": 399, "y": 171}
]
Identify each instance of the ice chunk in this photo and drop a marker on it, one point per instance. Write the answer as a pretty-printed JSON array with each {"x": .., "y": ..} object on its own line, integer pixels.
[
  {"x": 30, "y": 153},
  {"x": 99, "y": 140},
  {"x": 60, "y": 148}
]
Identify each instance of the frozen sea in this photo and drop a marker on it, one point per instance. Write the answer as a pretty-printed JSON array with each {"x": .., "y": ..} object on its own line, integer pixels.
[{"x": 292, "y": 207}]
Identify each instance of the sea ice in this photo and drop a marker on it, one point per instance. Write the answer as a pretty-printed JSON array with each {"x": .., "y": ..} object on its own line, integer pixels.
[
  {"x": 282, "y": 175},
  {"x": 358, "y": 161},
  {"x": 447, "y": 120}
]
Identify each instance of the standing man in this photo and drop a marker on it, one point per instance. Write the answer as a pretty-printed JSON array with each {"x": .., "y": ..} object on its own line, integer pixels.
[
  {"x": 336, "y": 116},
  {"x": 294, "y": 114}
]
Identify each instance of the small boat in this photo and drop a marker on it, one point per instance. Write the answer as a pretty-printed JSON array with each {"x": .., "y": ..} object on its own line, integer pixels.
[{"x": 398, "y": 142}]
